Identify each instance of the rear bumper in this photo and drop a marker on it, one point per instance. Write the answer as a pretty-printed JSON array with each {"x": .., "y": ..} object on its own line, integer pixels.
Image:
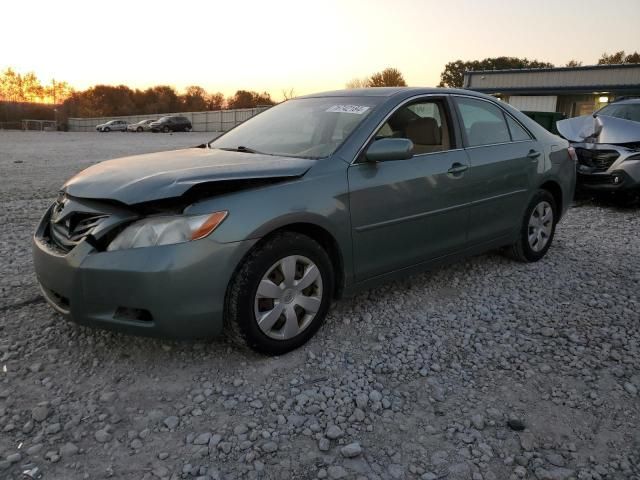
[{"x": 172, "y": 291}]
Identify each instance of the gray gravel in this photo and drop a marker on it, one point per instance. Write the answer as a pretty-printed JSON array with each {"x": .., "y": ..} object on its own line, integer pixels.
[{"x": 487, "y": 369}]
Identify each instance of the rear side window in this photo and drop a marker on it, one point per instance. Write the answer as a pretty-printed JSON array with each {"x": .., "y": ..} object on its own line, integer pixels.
[
  {"x": 518, "y": 133},
  {"x": 484, "y": 123}
]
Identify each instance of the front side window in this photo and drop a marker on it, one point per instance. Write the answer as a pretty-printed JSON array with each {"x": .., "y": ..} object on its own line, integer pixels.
[
  {"x": 483, "y": 122},
  {"x": 304, "y": 127},
  {"x": 424, "y": 123}
]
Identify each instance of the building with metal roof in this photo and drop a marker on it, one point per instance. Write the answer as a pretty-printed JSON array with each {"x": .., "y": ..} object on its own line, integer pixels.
[{"x": 572, "y": 91}]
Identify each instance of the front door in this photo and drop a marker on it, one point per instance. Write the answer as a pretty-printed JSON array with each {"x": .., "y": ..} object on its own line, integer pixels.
[{"x": 406, "y": 212}]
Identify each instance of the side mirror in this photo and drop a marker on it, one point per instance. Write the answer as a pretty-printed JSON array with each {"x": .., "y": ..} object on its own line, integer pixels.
[{"x": 387, "y": 149}]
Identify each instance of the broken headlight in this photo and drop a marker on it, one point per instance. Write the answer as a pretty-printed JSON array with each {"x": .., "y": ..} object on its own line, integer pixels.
[{"x": 166, "y": 230}]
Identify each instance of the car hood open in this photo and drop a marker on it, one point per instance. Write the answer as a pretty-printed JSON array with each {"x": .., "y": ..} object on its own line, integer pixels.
[
  {"x": 599, "y": 129},
  {"x": 156, "y": 176}
]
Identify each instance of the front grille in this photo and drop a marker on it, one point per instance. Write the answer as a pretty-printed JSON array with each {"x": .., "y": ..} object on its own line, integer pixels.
[
  {"x": 68, "y": 231},
  {"x": 597, "y": 160}
]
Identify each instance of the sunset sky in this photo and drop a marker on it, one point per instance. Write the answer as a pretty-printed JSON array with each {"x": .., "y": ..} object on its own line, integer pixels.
[{"x": 308, "y": 46}]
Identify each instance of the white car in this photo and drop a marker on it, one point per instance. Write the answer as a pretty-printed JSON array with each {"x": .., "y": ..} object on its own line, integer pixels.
[
  {"x": 141, "y": 126},
  {"x": 112, "y": 125}
]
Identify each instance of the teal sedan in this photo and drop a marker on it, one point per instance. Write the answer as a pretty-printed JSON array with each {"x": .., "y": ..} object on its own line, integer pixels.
[{"x": 257, "y": 232}]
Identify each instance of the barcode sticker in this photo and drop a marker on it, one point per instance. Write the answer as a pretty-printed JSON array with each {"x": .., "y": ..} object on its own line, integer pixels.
[{"x": 357, "y": 109}]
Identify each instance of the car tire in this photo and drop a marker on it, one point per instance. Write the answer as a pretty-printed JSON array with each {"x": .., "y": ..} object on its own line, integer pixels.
[
  {"x": 166, "y": 129},
  {"x": 286, "y": 323},
  {"x": 537, "y": 229},
  {"x": 187, "y": 129},
  {"x": 106, "y": 129},
  {"x": 139, "y": 129}
]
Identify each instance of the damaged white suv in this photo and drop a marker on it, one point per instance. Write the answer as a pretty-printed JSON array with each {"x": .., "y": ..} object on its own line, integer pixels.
[{"x": 607, "y": 145}]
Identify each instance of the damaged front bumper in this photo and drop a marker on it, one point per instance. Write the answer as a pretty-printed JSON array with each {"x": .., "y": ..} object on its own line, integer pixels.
[
  {"x": 173, "y": 291},
  {"x": 606, "y": 167},
  {"x": 608, "y": 151}
]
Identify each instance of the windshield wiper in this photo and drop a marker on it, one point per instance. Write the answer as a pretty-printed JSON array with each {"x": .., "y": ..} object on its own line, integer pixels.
[{"x": 241, "y": 148}]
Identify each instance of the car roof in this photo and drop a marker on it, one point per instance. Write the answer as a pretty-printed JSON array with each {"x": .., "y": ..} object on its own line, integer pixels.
[
  {"x": 626, "y": 101},
  {"x": 392, "y": 91}
]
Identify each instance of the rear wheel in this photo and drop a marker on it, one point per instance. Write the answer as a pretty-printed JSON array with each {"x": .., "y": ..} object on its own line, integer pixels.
[
  {"x": 280, "y": 295},
  {"x": 537, "y": 229}
]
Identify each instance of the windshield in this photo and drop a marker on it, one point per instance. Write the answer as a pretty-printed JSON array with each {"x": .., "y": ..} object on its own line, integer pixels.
[
  {"x": 627, "y": 111},
  {"x": 305, "y": 127}
]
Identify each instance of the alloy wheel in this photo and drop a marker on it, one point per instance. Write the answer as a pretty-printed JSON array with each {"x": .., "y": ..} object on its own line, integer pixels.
[
  {"x": 540, "y": 226},
  {"x": 288, "y": 297}
]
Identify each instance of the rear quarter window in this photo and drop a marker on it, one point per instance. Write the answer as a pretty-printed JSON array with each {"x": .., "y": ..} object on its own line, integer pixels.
[{"x": 518, "y": 134}]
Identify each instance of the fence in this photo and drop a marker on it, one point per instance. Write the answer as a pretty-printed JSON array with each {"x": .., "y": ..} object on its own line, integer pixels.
[{"x": 213, "y": 121}]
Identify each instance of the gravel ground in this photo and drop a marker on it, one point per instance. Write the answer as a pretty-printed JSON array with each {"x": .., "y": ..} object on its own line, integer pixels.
[{"x": 487, "y": 369}]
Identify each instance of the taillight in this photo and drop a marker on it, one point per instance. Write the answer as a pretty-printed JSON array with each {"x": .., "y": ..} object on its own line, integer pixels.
[{"x": 572, "y": 154}]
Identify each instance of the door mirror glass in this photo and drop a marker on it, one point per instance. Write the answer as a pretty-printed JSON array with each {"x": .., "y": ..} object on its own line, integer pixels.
[{"x": 387, "y": 149}]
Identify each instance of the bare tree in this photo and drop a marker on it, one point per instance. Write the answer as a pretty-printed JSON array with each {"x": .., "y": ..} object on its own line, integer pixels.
[
  {"x": 288, "y": 94},
  {"x": 358, "y": 83},
  {"x": 573, "y": 63}
]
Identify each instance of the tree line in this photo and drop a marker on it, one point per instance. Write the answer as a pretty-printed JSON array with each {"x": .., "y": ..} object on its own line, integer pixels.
[
  {"x": 27, "y": 88},
  {"x": 108, "y": 101},
  {"x": 453, "y": 73}
]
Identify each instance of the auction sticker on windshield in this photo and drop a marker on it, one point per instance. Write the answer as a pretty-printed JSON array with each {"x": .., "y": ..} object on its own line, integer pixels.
[{"x": 357, "y": 109}]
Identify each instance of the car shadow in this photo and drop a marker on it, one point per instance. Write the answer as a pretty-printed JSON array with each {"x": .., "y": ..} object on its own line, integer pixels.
[{"x": 622, "y": 202}]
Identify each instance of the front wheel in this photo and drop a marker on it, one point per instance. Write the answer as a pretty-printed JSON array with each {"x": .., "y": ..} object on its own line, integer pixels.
[
  {"x": 166, "y": 129},
  {"x": 139, "y": 129},
  {"x": 537, "y": 229},
  {"x": 280, "y": 295},
  {"x": 106, "y": 129}
]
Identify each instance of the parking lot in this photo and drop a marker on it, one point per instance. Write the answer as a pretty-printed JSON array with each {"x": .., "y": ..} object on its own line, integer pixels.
[{"x": 488, "y": 369}]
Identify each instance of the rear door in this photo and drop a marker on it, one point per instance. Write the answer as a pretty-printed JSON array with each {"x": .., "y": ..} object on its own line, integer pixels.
[
  {"x": 405, "y": 212},
  {"x": 504, "y": 158}
]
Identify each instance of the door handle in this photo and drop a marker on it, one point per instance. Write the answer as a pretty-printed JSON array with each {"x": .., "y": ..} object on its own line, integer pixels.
[
  {"x": 457, "y": 168},
  {"x": 533, "y": 154}
]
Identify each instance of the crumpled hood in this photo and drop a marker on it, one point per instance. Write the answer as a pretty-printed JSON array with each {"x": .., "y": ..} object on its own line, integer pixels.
[
  {"x": 599, "y": 129},
  {"x": 156, "y": 176}
]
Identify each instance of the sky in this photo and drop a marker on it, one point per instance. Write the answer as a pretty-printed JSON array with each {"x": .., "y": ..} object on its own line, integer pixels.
[{"x": 276, "y": 45}]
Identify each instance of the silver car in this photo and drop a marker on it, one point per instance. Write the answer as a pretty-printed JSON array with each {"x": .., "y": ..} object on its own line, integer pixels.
[
  {"x": 112, "y": 126},
  {"x": 141, "y": 126},
  {"x": 607, "y": 145}
]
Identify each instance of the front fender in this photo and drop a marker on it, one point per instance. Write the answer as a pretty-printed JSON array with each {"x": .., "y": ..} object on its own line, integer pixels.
[{"x": 319, "y": 198}]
